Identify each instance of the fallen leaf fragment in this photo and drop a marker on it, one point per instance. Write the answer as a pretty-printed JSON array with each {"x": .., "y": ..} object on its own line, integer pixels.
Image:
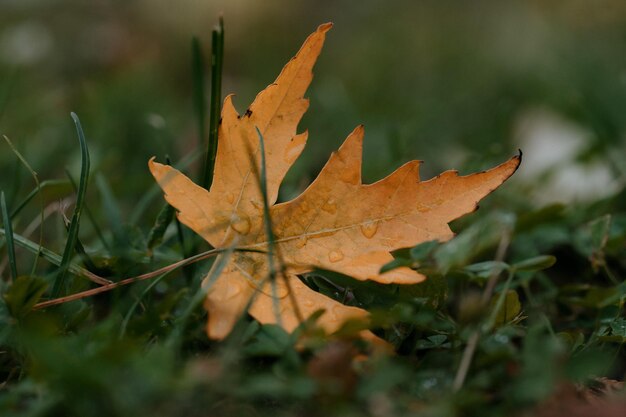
[
  {"x": 333, "y": 367},
  {"x": 604, "y": 398},
  {"x": 337, "y": 223}
]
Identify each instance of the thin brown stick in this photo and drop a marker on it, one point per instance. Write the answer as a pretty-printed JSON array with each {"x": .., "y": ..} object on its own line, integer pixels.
[
  {"x": 94, "y": 278},
  {"x": 143, "y": 277},
  {"x": 472, "y": 343}
]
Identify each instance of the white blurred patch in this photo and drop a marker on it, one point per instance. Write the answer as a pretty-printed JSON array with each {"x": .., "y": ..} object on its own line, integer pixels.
[
  {"x": 155, "y": 120},
  {"x": 551, "y": 145},
  {"x": 25, "y": 44}
]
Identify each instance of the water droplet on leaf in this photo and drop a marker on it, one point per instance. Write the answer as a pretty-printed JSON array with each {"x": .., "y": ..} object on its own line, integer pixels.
[
  {"x": 336, "y": 313},
  {"x": 330, "y": 206},
  {"x": 240, "y": 223},
  {"x": 335, "y": 256},
  {"x": 232, "y": 291},
  {"x": 369, "y": 229}
]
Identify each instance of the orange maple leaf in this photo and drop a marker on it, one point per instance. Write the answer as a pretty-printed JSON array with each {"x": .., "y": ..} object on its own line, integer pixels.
[{"x": 337, "y": 223}]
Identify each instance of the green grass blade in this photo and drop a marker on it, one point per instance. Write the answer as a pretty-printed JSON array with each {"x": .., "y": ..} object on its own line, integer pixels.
[
  {"x": 164, "y": 218},
  {"x": 47, "y": 254},
  {"x": 90, "y": 216},
  {"x": 266, "y": 208},
  {"x": 217, "y": 63},
  {"x": 87, "y": 261},
  {"x": 131, "y": 310},
  {"x": 16, "y": 185},
  {"x": 23, "y": 294},
  {"x": 267, "y": 220},
  {"x": 42, "y": 187},
  {"x": 146, "y": 201},
  {"x": 6, "y": 220},
  {"x": 37, "y": 188},
  {"x": 80, "y": 250},
  {"x": 216, "y": 270},
  {"x": 111, "y": 208},
  {"x": 188, "y": 270},
  {"x": 26, "y": 165},
  {"x": 59, "y": 282}
]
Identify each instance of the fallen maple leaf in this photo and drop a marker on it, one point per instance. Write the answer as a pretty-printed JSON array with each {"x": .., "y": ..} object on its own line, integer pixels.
[{"x": 337, "y": 223}]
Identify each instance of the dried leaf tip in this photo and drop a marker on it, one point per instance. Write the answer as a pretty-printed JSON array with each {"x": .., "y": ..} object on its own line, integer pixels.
[{"x": 325, "y": 27}]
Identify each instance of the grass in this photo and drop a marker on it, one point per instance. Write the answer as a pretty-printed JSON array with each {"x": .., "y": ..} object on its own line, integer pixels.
[
  {"x": 58, "y": 287},
  {"x": 8, "y": 235},
  {"x": 523, "y": 302}
]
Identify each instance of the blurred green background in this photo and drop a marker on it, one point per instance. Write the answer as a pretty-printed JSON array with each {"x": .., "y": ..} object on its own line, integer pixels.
[{"x": 458, "y": 84}]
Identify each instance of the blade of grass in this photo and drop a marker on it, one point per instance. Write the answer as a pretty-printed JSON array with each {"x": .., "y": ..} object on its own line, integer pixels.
[
  {"x": 132, "y": 308},
  {"x": 87, "y": 261},
  {"x": 53, "y": 258},
  {"x": 163, "y": 219},
  {"x": 80, "y": 249},
  {"x": 111, "y": 208},
  {"x": 90, "y": 215},
  {"x": 37, "y": 188},
  {"x": 217, "y": 63},
  {"x": 208, "y": 166},
  {"x": 6, "y": 220},
  {"x": 267, "y": 221},
  {"x": 16, "y": 183},
  {"x": 272, "y": 248},
  {"x": 145, "y": 202},
  {"x": 54, "y": 207},
  {"x": 214, "y": 273},
  {"x": 491, "y": 320},
  {"x": 59, "y": 282},
  {"x": 180, "y": 233},
  {"x": 42, "y": 186}
]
